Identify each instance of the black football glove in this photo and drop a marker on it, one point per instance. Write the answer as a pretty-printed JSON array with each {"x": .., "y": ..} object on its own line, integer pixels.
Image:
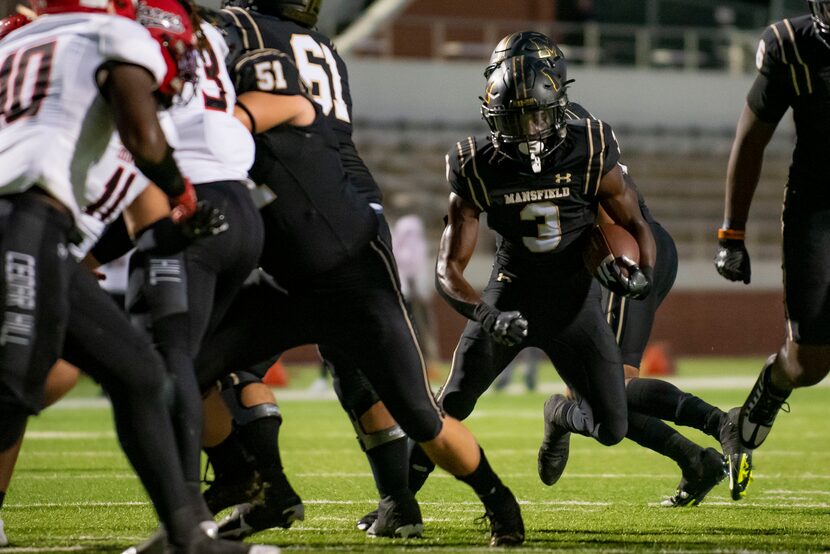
[
  {"x": 633, "y": 283},
  {"x": 206, "y": 221},
  {"x": 164, "y": 237},
  {"x": 507, "y": 328},
  {"x": 732, "y": 260}
]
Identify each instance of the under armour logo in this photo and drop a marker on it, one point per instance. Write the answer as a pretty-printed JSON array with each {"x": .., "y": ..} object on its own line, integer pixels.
[{"x": 559, "y": 178}]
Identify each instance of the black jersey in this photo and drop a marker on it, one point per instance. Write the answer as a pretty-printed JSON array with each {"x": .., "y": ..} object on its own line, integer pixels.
[
  {"x": 794, "y": 71},
  {"x": 320, "y": 66},
  {"x": 539, "y": 217},
  {"x": 578, "y": 111},
  {"x": 316, "y": 220}
]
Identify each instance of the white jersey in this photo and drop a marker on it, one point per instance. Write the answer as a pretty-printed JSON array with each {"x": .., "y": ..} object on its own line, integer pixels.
[
  {"x": 212, "y": 144},
  {"x": 55, "y": 126}
]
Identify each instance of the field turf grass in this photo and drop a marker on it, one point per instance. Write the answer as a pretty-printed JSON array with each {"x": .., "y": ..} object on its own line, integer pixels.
[{"x": 74, "y": 491}]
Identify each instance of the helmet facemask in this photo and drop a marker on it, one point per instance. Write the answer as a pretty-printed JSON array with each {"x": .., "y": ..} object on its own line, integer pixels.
[
  {"x": 820, "y": 10},
  {"x": 526, "y": 119}
]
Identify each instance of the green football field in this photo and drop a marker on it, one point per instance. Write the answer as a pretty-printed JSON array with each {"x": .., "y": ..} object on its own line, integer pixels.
[{"x": 74, "y": 491}]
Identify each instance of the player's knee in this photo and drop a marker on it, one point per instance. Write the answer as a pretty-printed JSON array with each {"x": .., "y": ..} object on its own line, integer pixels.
[
  {"x": 612, "y": 432},
  {"x": 14, "y": 422},
  {"x": 246, "y": 411}
]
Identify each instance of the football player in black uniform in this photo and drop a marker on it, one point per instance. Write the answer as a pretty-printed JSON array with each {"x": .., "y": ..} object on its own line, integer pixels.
[
  {"x": 793, "y": 61},
  {"x": 541, "y": 180},
  {"x": 631, "y": 322},
  {"x": 288, "y": 25},
  {"x": 322, "y": 247}
]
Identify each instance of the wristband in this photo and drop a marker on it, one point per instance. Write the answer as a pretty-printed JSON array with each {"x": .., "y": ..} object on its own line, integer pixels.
[
  {"x": 731, "y": 234},
  {"x": 245, "y": 109}
]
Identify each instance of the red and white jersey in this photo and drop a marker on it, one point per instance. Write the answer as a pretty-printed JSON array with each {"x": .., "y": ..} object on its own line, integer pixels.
[
  {"x": 212, "y": 144},
  {"x": 55, "y": 126}
]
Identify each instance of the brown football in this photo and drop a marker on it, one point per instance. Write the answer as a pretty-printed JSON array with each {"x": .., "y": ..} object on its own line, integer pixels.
[{"x": 608, "y": 240}]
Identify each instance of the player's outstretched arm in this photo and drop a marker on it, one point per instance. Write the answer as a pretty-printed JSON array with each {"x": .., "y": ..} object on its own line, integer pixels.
[
  {"x": 261, "y": 111},
  {"x": 742, "y": 175}
]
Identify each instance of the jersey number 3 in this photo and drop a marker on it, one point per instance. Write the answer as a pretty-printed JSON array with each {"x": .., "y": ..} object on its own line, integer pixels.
[{"x": 548, "y": 231}]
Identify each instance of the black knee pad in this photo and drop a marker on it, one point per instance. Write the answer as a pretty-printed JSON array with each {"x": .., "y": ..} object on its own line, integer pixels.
[
  {"x": 231, "y": 389},
  {"x": 14, "y": 422}
]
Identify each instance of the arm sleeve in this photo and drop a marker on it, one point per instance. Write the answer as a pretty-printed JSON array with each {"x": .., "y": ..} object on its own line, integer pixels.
[
  {"x": 457, "y": 182},
  {"x": 611, "y": 149},
  {"x": 772, "y": 92}
]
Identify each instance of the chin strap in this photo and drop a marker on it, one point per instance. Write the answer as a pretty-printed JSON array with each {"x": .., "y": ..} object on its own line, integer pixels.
[{"x": 535, "y": 162}]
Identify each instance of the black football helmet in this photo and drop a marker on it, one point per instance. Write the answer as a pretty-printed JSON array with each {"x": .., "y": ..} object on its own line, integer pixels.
[
  {"x": 304, "y": 12},
  {"x": 524, "y": 106},
  {"x": 532, "y": 45}
]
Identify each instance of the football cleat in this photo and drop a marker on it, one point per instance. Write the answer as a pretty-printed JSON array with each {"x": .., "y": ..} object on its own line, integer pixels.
[
  {"x": 366, "y": 521},
  {"x": 506, "y": 525},
  {"x": 4, "y": 540},
  {"x": 699, "y": 477},
  {"x": 759, "y": 411},
  {"x": 398, "y": 518},
  {"x": 553, "y": 454},
  {"x": 738, "y": 458},
  {"x": 279, "y": 507},
  {"x": 226, "y": 491}
]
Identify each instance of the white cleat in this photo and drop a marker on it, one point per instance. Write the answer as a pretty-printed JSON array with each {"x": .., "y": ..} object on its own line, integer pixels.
[{"x": 4, "y": 540}]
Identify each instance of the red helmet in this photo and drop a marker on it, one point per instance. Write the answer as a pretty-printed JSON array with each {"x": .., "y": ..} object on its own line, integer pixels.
[
  {"x": 12, "y": 22},
  {"x": 119, "y": 7},
  {"x": 169, "y": 23}
]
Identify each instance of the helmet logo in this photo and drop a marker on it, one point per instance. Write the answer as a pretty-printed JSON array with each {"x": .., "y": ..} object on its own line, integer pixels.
[{"x": 160, "y": 19}]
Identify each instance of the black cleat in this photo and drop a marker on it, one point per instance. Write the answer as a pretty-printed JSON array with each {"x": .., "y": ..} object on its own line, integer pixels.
[
  {"x": 759, "y": 411},
  {"x": 397, "y": 518},
  {"x": 738, "y": 458},
  {"x": 230, "y": 490},
  {"x": 698, "y": 479},
  {"x": 506, "y": 525},
  {"x": 366, "y": 521},
  {"x": 279, "y": 507},
  {"x": 553, "y": 454}
]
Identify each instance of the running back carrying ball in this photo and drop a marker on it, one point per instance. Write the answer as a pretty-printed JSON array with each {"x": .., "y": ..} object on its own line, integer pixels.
[
  {"x": 607, "y": 242},
  {"x": 611, "y": 255}
]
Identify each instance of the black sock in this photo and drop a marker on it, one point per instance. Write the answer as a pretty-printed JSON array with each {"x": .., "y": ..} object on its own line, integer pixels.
[
  {"x": 665, "y": 401},
  {"x": 483, "y": 479},
  {"x": 655, "y": 435},
  {"x": 390, "y": 467},
  {"x": 2, "y": 498},
  {"x": 261, "y": 440},
  {"x": 228, "y": 457},
  {"x": 420, "y": 466},
  {"x": 698, "y": 414},
  {"x": 201, "y": 510},
  {"x": 653, "y": 397}
]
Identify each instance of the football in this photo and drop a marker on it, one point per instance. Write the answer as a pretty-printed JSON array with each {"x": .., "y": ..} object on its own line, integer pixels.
[{"x": 609, "y": 241}]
